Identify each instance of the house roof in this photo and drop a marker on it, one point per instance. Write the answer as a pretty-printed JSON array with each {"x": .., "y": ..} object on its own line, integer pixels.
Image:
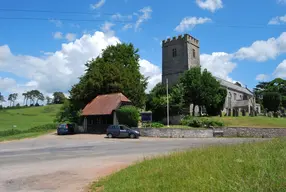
[
  {"x": 104, "y": 104},
  {"x": 231, "y": 85}
]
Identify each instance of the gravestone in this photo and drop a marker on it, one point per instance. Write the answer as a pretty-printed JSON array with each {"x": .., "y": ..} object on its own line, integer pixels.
[
  {"x": 270, "y": 114},
  {"x": 243, "y": 112},
  {"x": 229, "y": 112}
]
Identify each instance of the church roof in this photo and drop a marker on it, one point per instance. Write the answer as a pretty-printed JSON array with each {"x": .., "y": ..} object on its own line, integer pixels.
[{"x": 231, "y": 85}]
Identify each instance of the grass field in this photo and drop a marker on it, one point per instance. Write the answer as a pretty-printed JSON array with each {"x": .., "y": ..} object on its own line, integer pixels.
[
  {"x": 245, "y": 167},
  {"x": 258, "y": 122},
  {"x": 26, "y": 118},
  {"x": 24, "y": 135}
]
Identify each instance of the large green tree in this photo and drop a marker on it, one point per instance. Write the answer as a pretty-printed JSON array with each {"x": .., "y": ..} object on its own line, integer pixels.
[
  {"x": 191, "y": 81},
  {"x": 201, "y": 89},
  {"x": 59, "y": 98},
  {"x": 157, "y": 101},
  {"x": 277, "y": 85},
  {"x": 271, "y": 100},
  {"x": 116, "y": 70}
]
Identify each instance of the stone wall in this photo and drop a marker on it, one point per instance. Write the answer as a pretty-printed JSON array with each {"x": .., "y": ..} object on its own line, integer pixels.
[
  {"x": 176, "y": 132},
  {"x": 253, "y": 132}
]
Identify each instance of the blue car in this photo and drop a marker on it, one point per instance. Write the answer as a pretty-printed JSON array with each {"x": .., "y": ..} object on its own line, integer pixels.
[
  {"x": 65, "y": 128},
  {"x": 122, "y": 131}
]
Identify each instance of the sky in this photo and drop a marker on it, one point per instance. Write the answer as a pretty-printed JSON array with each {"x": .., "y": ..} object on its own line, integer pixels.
[{"x": 45, "y": 44}]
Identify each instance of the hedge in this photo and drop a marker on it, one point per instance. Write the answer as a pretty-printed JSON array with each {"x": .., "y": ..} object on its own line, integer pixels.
[
  {"x": 201, "y": 122},
  {"x": 128, "y": 115}
]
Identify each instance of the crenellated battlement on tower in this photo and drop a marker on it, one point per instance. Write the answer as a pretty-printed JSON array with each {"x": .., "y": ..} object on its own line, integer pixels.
[{"x": 185, "y": 37}]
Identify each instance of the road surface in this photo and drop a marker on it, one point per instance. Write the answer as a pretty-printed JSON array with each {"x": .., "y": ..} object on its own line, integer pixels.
[{"x": 69, "y": 163}]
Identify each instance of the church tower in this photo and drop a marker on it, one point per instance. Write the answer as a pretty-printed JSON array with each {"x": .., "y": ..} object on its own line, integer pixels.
[{"x": 178, "y": 55}]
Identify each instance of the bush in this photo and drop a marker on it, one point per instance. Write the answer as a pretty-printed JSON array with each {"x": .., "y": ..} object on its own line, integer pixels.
[
  {"x": 128, "y": 115},
  {"x": 40, "y": 128},
  {"x": 200, "y": 122},
  {"x": 271, "y": 100},
  {"x": 156, "y": 125}
]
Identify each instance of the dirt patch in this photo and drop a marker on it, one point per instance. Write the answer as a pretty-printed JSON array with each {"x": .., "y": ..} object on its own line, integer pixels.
[
  {"x": 65, "y": 178},
  {"x": 51, "y": 181}
]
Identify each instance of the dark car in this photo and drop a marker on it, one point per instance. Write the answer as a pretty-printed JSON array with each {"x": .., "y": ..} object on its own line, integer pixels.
[
  {"x": 65, "y": 128},
  {"x": 122, "y": 131}
]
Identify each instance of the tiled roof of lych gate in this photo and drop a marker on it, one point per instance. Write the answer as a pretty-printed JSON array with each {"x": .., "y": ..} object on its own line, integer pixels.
[
  {"x": 104, "y": 104},
  {"x": 233, "y": 86}
]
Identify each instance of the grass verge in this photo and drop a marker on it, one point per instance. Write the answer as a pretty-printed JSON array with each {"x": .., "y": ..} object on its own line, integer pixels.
[
  {"x": 15, "y": 134},
  {"x": 245, "y": 167},
  {"x": 255, "y": 122}
]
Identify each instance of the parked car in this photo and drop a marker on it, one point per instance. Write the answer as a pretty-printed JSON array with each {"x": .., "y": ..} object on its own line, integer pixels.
[
  {"x": 65, "y": 128},
  {"x": 122, "y": 131}
]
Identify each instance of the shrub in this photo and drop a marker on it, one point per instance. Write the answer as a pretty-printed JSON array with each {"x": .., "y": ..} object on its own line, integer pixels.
[
  {"x": 157, "y": 125},
  {"x": 271, "y": 100},
  {"x": 128, "y": 115},
  {"x": 200, "y": 122}
]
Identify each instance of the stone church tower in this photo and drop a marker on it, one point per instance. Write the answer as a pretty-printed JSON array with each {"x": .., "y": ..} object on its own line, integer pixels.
[{"x": 178, "y": 55}]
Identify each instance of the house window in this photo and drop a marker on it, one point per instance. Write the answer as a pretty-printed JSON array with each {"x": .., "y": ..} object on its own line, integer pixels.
[
  {"x": 194, "y": 53},
  {"x": 234, "y": 96},
  {"x": 174, "y": 52}
]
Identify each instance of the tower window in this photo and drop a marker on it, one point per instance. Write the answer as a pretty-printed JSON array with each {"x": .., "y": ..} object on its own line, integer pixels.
[
  {"x": 174, "y": 52},
  {"x": 194, "y": 53}
]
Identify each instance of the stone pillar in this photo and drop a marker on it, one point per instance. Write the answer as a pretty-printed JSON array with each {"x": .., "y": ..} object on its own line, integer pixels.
[
  {"x": 115, "y": 120},
  {"x": 85, "y": 124}
]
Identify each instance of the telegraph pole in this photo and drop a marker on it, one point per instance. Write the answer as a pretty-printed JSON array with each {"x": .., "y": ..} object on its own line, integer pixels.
[{"x": 167, "y": 85}]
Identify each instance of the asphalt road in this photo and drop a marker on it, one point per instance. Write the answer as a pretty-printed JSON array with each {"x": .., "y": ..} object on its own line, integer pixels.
[{"x": 69, "y": 163}]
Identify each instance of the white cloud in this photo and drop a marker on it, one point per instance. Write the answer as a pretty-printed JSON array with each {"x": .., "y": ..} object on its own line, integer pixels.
[
  {"x": 143, "y": 15},
  {"x": 280, "y": 70},
  {"x": 118, "y": 16},
  {"x": 281, "y": 1},
  {"x": 190, "y": 22},
  {"x": 153, "y": 72},
  {"x": 277, "y": 20},
  {"x": 106, "y": 27},
  {"x": 211, "y": 5},
  {"x": 262, "y": 77},
  {"x": 127, "y": 26},
  {"x": 5, "y": 83},
  {"x": 219, "y": 64},
  {"x": 58, "y": 35},
  {"x": 263, "y": 50},
  {"x": 58, "y": 23},
  {"x": 97, "y": 5},
  {"x": 59, "y": 70},
  {"x": 70, "y": 36}
]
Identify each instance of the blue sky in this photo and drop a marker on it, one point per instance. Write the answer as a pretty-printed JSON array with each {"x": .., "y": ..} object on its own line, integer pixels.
[{"x": 42, "y": 53}]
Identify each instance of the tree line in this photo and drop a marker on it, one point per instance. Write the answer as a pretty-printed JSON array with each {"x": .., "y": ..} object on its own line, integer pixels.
[
  {"x": 195, "y": 86},
  {"x": 271, "y": 95},
  {"x": 32, "y": 98}
]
